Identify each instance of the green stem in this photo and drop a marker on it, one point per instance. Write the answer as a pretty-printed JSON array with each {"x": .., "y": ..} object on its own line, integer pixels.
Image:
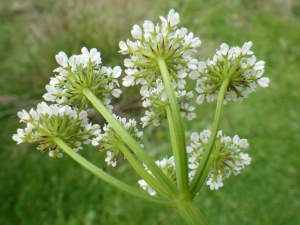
[
  {"x": 109, "y": 179},
  {"x": 132, "y": 144},
  {"x": 200, "y": 173},
  {"x": 191, "y": 213},
  {"x": 150, "y": 180},
  {"x": 178, "y": 145}
]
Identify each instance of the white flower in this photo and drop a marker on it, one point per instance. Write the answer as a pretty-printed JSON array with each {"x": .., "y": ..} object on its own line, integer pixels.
[
  {"x": 155, "y": 99},
  {"x": 259, "y": 65},
  {"x": 110, "y": 159},
  {"x": 226, "y": 153},
  {"x": 194, "y": 75},
  {"x": 148, "y": 26},
  {"x": 224, "y": 48},
  {"x": 55, "y": 121},
  {"x": 109, "y": 140},
  {"x": 123, "y": 46},
  {"x": 128, "y": 81},
  {"x": 167, "y": 165},
  {"x": 215, "y": 183},
  {"x": 115, "y": 72},
  {"x": 237, "y": 64},
  {"x": 263, "y": 82},
  {"x": 80, "y": 72},
  {"x": 173, "y": 18},
  {"x": 164, "y": 40},
  {"x": 128, "y": 63},
  {"x": 137, "y": 32},
  {"x": 246, "y": 47},
  {"x": 62, "y": 59},
  {"x": 192, "y": 64},
  {"x": 116, "y": 93}
]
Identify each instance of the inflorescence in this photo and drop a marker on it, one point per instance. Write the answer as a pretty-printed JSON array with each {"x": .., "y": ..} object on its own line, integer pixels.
[
  {"x": 167, "y": 165},
  {"x": 155, "y": 99},
  {"x": 176, "y": 46},
  {"x": 79, "y": 72},
  {"x": 235, "y": 63},
  {"x": 55, "y": 121},
  {"x": 226, "y": 158},
  {"x": 68, "y": 121},
  {"x": 109, "y": 140}
]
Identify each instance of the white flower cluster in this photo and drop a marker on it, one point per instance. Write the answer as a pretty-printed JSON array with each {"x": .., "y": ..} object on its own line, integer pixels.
[
  {"x": 176, "y": 46},
  {"x": 48, "y": 122},
  {"x": 237, "y": 64},
  {"x": 155, "y": 99},
  {"x": 79, "y": 72},
  {"x": 167, "y": 165},
  {"x": 109, "y": 140},
  {"x": 226, "y": 157}
]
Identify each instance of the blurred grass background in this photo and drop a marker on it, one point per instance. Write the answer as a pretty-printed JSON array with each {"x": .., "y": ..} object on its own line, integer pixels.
[{"x": 35, "y": 189}]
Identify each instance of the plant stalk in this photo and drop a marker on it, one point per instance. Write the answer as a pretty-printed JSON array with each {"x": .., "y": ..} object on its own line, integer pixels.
[
  {"x": 132, "y": 144},
  {"x": 202, "y": 172},
  {"x": 109, "y": 179},
  {"x": 177, "y": 132},
  {"x": 191, "y": 213}
]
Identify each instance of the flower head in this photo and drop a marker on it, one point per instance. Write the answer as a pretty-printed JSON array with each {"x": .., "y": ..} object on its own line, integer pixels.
[
  {"x": 159, "y": 41},
  {"x": 55, "y": 121},
  {"x": 226, "y": 157},
  {"x": 79, "y": 72},
  {"x": 155, "y": 99},
  {"x": 109, "y": 140},
  {"x": 167, "y": 165},
  {"x": 235, "y": 63}
]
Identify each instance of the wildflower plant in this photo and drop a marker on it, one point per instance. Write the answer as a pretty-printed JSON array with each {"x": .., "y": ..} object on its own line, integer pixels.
[{"x": 161, "y": 60}]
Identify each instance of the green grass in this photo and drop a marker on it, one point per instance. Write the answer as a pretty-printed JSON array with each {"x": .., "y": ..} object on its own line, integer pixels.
[{"x": 36, "y": 189}]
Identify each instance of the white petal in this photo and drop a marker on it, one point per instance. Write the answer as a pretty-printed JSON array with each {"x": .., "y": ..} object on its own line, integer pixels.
[
  {"x": 128, "y": 63},
  {"x": 246, "y": 47},
  {"x": 116, "y": 93},
  {"x": 62, "y": 59},
  {"x": 136, "y": 32},
  {"x": 148, "y": 26},
  {"x": 128, "y": 81},
  {"x": 173, "y": 18},
  {"x": 224, "y": 48},
  {"x": 192, "y": 64},
  {"x": 116, "y": 72},
  {"x": 196, "y": 42},
  {"x": 263, "y": 82},
  {"x": 85, "y": 53},
  {"x": 123, "y": 46},
  {"x": 260, "y": 65},
  {"x": 200, "y": 99},
  {"x": 83, "y": 115},
  {"x": 194, "y": 75}
]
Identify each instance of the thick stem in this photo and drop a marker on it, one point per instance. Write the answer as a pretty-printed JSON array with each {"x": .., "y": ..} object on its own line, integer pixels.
[
  {"x": 191, "y": 213},
  {"x": 109, "y": 179},
  {"x": 132, "y": 144},
  {"x": 178, "y": 144},
  {"x": 202, "y": 171}
]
